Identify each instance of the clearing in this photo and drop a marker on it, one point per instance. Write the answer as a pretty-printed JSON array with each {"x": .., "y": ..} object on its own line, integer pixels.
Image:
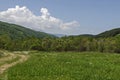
[{"x": 67, "y": 66}]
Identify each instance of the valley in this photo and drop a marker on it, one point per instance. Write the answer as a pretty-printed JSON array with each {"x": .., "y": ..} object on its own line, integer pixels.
[
  {"x": 59, "y": 40},
  {"x": 29, "y": 55}
]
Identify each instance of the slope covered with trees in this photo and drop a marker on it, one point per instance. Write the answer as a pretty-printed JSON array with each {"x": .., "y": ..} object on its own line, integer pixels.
[
  {"x": 109, "y": 33},
  {"x": 14, "y": 31}
]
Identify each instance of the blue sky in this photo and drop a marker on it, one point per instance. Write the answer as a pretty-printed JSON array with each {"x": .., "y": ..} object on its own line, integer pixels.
[{"x": 94, "y": 16}]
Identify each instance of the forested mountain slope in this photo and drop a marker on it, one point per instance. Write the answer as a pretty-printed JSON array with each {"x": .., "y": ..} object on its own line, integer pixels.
[
  {"x": 109, "y": 33},
  {"x": 18, "y": 32},
  {"x": 106, "y": 34}
]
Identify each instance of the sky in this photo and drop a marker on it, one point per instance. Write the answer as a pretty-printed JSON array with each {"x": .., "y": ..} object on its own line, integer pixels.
[{"x": 69, "y": 17}]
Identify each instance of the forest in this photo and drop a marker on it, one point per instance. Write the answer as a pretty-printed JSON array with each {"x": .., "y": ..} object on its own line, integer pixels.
[{"x": 70, "y": 43}]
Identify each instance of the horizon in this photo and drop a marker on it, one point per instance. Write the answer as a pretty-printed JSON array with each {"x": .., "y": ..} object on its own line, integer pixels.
[{"x": 62, "y": 17}]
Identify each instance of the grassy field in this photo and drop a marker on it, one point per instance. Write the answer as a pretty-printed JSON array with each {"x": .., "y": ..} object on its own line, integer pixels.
[{"x": 67, "y": 66}]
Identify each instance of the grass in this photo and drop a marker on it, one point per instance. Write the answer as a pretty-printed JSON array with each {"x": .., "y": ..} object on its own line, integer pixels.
[{"x": 67, "y": 66}]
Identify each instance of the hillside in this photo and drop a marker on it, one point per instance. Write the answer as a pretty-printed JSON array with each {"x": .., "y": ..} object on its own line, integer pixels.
[
  {"x": 106, "y": 34},
  {"x": 109, "y": 33},
  {"x": 19, "y": 32}
]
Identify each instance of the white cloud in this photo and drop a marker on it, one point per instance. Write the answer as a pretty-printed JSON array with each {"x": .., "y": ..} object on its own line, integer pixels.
[{"x": 45, "y": 22}]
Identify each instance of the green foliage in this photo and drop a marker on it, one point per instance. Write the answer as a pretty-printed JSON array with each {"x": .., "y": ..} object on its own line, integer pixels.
[
  {"x": 18, "y": 32},
  {"x": 63, "y": 44},
  {"x": 67, "y": 66},
  {"x": 110, "y": 33}
]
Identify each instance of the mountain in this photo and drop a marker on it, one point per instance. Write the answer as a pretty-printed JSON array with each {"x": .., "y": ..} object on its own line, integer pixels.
[
  {"x": 19, "y": 32},
  {"x": 109, "y": 33},
  {"x": 86, "y": 35},
  {"x": 59, "y": 35},
  {"x": 106, "y": 34}
]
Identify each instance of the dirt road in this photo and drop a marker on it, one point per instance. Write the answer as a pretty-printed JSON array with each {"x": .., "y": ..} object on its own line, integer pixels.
[{"x": 5, "y": 66}]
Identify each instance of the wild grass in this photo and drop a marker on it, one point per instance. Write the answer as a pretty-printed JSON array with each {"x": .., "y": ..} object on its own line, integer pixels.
[{"x": 67, "y": 66}]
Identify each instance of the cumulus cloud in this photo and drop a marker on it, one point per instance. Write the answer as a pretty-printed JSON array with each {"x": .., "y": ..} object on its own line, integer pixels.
[{"x": 45, "y": 22}]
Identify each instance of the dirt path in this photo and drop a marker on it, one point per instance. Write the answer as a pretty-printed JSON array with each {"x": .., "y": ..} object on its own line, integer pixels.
[
  {"x": 13, "y": 56},
  {"x": 9, "y": 57}
]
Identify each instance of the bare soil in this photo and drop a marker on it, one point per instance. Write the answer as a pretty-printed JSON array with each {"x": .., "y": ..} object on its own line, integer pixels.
[{"x": 11, "y": 56}]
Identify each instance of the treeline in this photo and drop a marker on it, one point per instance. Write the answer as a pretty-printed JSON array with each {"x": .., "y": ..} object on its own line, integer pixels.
[{"x": 71, "y": 43}]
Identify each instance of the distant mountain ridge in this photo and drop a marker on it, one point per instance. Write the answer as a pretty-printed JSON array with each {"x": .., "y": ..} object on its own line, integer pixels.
[
  {"x": 19, "y": 32},
  {"x": 60, "y": 35}
]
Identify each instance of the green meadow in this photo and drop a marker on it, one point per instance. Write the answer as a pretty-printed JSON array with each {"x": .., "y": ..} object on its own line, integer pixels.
[{"x": 67, "y": 66}]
